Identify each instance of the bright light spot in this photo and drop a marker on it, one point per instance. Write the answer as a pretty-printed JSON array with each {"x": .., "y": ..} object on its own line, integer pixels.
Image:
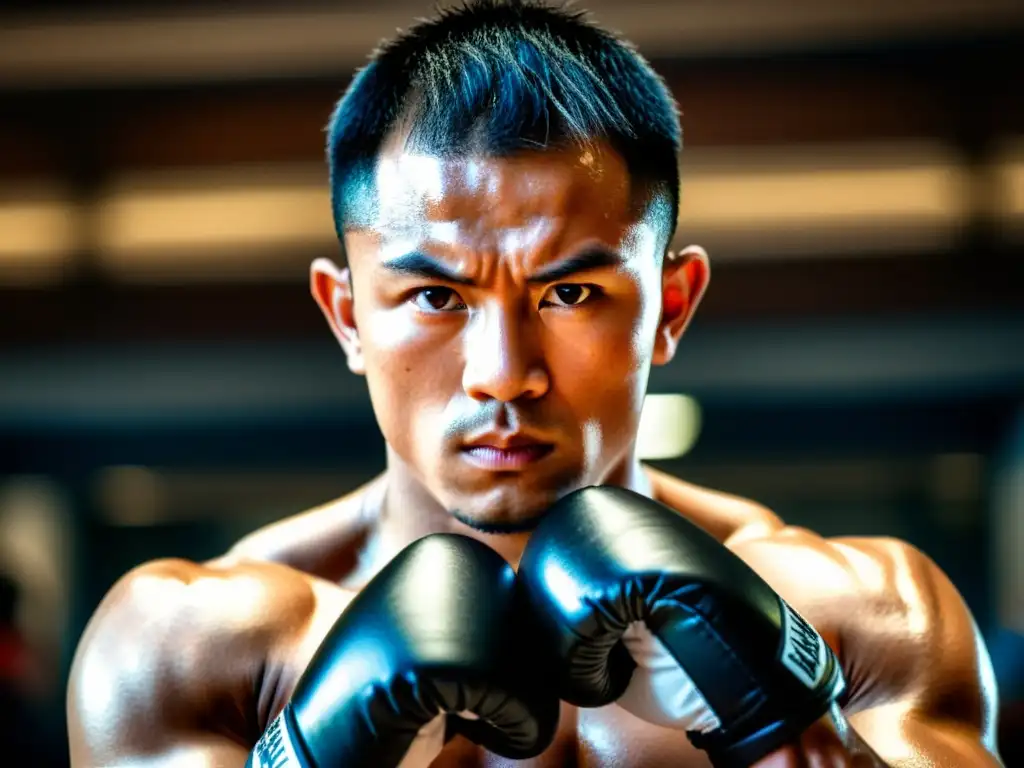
[
  {"x": 562, "y": 587},
  {"x": 669, "y": 426}
]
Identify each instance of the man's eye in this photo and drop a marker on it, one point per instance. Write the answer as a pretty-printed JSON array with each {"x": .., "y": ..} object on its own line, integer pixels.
[
  {"x": 568, "y": 294},
  {"x": 438, "y": 300}
]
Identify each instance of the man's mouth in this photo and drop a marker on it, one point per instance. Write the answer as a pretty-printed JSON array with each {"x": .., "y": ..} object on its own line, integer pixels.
[
  {"x": 489, "y": 457},
  {"x": 505, "y": 452}
]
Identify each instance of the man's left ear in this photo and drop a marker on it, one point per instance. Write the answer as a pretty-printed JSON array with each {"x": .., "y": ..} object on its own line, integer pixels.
[{"x": 684, "y": 279}]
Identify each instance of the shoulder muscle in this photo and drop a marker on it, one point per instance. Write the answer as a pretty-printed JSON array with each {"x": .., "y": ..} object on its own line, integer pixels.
[
  {"x": 323, "y": 541},
  {"x": 912, "y": 654},
  {"x": 730, "y": 519},
  {"x": 171, "y": 644},
  {"x": 949, "y": 674}
]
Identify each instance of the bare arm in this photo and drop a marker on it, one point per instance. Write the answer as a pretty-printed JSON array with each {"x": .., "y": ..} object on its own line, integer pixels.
[
  {"x": 946, "y": 713},
  {"x": 173, "y": 669},
  {"x": 920, "y": 682}
]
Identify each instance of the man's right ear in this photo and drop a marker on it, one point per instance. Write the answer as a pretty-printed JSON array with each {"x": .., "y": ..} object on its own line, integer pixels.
[{"x": 332, "y": 289}]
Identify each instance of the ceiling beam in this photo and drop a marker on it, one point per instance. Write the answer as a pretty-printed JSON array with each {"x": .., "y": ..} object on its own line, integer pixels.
[{"x": 80, "y": 49}]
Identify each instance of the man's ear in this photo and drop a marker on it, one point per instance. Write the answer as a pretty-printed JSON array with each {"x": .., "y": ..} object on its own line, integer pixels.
[
  {"x": 332, "y": 289},
  {"x": 684, "y": 279}
]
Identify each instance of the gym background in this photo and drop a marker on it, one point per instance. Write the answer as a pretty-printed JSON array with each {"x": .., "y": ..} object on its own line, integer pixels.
[{"x": 856, "y": 171}]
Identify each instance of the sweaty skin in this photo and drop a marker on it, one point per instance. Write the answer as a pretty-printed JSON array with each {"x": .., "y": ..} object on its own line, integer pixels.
[
  {"x": 919, "y": 678},
  {"x": 186, "y": 664},
  {"x": 506, "y": 314}
]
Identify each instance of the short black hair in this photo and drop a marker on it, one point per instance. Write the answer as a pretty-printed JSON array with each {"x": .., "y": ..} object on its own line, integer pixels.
[{"x": 500, "y": 77}]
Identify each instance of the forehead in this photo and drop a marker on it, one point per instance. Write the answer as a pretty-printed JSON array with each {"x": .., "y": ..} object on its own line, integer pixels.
[{"x": 496, "y": 193}]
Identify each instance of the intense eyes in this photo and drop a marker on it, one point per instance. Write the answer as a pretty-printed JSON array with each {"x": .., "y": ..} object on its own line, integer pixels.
[
  {"x": 438, "y": 300},
  {"x": 568, "y": 294},
  {"x": 441, "y": 299}
]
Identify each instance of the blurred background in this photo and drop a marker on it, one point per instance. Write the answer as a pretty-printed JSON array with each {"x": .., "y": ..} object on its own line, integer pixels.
[{"x": 856, "y": 171}]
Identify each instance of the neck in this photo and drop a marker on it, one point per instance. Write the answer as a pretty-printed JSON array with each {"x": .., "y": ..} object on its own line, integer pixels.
[{"x": 408, "y": 511}]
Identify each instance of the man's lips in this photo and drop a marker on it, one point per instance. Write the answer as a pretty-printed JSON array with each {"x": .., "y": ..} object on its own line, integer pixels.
[{"x": 513, "y": 457}]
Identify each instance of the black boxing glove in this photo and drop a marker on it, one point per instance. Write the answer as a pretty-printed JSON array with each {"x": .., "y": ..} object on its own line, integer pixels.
[
  {"x": 643, "y": 608},
  {"x": 430, "y": 648}
]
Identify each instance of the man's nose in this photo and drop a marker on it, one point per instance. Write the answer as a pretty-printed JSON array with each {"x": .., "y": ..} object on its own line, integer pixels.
[{"x": 503, "y": 358}]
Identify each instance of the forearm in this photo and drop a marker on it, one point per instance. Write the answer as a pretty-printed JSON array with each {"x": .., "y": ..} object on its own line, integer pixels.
[
  {"x": 947, "y": 745},
  {"x": 829, "y": 741},
  {"x": 902, "y": 739},
  {"x": 862, "y": 754}
]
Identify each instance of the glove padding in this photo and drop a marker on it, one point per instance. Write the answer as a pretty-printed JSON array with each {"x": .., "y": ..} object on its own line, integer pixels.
[
  {"x": 644, "y": 608},
  {"x": 430, "y": 648}
]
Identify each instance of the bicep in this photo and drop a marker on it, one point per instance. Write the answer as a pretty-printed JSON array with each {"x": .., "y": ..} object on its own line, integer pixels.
[
  {"x": 165, "y": 671},
  {"x": 108, "y": 730},
  {"x": 944, "y": 707}
]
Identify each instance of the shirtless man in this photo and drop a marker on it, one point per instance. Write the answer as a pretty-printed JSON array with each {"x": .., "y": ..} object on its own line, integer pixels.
[{"x": 504, "y": 183}]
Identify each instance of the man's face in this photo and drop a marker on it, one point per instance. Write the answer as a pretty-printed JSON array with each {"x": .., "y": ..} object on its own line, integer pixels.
[{"x": 506, "y": 311}]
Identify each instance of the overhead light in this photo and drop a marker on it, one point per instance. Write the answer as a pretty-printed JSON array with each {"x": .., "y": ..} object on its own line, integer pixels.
[
  {"x": 823, "y": 199},
  {"x": 235, "y": 220},
  {"x": 39, "y": 236},
  {"x": 198, "y": 225},
  {"x": 1013, "y": 181},
  {"x": 265, "y": 222},
  {"x": 1009, "y": 179},
  {"x": 669, "y": 426}
]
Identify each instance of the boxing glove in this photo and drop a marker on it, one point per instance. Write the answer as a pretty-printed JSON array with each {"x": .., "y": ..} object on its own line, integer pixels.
[
  {"x": 431, "y": 647},
  {"x": 643, "y": 608}
]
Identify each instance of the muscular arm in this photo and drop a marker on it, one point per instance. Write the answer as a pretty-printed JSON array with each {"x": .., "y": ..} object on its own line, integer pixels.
[
  {"x": 183, "y": 665},
  {"x": 921, "y": 689},
  {"x": 945, "y": 714}
]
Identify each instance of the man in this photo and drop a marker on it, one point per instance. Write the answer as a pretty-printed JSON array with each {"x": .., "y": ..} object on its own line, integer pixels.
[{"x": 504, "y": 183}]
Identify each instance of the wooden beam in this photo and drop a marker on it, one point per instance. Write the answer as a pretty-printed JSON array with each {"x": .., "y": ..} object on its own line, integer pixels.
[{"x": 723, "y": 104}]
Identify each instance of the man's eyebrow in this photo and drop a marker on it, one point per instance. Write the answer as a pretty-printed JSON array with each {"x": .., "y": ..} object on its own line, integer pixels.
[
  {"x": 417, "y": 264},
  {"x": 592, "y": 258}
]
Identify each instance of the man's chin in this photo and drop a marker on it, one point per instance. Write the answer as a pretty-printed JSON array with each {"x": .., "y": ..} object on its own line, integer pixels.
[
  {"x": 490, "y": 524},
  {"x": 503, "y": 509},
  {"x": 510, "y": 504}
]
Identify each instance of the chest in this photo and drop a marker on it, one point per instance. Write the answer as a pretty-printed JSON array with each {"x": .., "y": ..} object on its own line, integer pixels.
[{"x": 597, "y": 738}]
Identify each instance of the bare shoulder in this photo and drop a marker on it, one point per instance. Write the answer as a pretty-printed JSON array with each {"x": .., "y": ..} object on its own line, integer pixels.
[
  {"x": 176, "y": 645},
  {"x": 727, "y": 517},
  {"x": 323, "y": 541},
  {"x": 860, "y": 585},
  {"x": 904, "y": 634},
  {"x": 949, "y": 672}
]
